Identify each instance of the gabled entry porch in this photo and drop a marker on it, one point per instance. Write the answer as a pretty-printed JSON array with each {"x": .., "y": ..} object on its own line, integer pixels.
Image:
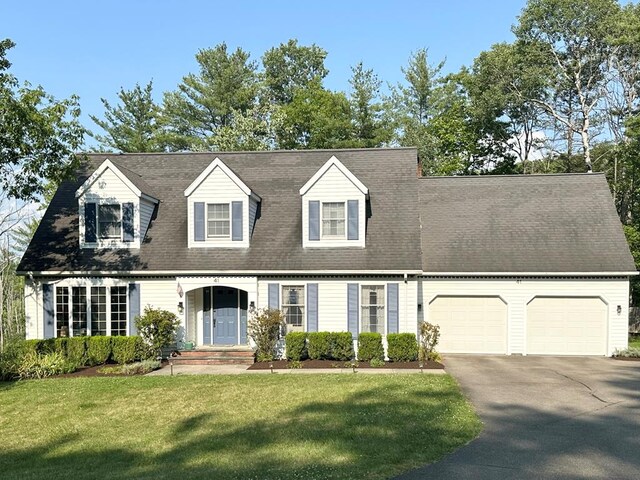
[{"x": 216, "y": 309}]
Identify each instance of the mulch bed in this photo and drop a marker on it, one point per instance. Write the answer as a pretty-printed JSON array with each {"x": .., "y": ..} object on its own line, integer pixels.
[
  {"x": 310, "y": 364},
  {"x": 93, "y": 372}
]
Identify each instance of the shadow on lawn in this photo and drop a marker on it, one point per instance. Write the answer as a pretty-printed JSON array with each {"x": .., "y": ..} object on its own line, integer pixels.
[{"x": 370, "y": 432}]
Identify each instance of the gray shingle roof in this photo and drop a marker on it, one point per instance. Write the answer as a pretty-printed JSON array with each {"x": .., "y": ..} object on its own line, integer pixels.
[
  {"x": 524, "y": 223},
  {"x": 392, "y": 238}
]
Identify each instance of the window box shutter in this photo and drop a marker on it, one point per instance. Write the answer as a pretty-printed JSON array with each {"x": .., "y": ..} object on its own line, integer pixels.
[
  {"x": 127, "y": 222},
  {"x": 90, "y": 230},
  {"x": 198, "y": 221},
  {"x": 274, "y": 295},
  {"x": 134, "y": 307},
  {"x": 312, "y": 307},
  {"x": 314, "y": 220},
  {"x": 353, "y": 308},
  {"x": 47, "y": 310},
  {"x": 236, "y": 221},
  {"x": 206, "y": 315},
  {"x": 353, "y": 219},
  {"x": 392, "y": 308}
]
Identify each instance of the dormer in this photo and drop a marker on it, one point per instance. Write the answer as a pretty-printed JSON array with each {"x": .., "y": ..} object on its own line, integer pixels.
[
  {"x": 221, "y": 209},
  {"x": 333, "y": 208},
  {"x": 115, "y": 207}
]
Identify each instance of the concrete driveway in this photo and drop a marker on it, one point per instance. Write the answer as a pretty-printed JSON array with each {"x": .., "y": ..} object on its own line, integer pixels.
[{"x": 546, "y": 418}]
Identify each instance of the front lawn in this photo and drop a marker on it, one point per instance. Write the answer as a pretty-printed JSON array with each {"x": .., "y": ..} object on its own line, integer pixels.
[
  {"x": 246, "y": 426},
  {"x": 634, "y": 341}
]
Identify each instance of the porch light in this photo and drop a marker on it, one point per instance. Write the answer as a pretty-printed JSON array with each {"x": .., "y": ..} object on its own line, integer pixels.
[
  {"x": 180, "y": 308},
  {"x": 252, "y": 305},
  {"x": 619, "y": 309}
]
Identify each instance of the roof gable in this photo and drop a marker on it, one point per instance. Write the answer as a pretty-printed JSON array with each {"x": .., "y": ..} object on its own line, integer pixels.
[
  {"x": 125, "y": 178},
  {"x": 217, "y": 163},
  {"x": 333, "y": 161}
]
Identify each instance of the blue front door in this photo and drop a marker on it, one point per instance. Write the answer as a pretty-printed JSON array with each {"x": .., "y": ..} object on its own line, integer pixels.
[{"x": 225, "y": 315}]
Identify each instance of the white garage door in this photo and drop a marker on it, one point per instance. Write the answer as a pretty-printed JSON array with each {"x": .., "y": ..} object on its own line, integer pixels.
[
  {"x": 470, "y": 324},
  {"x": 566, "y": 326}
]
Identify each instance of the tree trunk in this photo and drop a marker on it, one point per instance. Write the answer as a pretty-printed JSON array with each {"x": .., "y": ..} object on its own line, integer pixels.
[{"x": 584, "y": 134}]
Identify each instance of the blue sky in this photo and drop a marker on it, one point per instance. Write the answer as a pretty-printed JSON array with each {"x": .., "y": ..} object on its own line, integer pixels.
[{"x": 92, "y": 48}]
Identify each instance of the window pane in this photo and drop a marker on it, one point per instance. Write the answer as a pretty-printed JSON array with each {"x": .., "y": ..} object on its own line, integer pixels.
[
  {"x": 372, "y": 309},
  {"x": 109, "y": 223},
  {"x": 218, "y": 224},
  {"x": 333, "y": 220},
  {"x": 98, "y": 310},
  {"x": 79, "y": 307},
  {"x": 118, "y": 311},
  {"x": 62, "y": 311},
  {"x": 293, "y": 307}
]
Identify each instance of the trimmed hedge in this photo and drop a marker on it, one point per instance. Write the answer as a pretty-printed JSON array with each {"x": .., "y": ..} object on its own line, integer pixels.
[
  {"x": 318, "y": 345},
  {"x": 77, "y": 350},
  {"x": 126, "y": 349},
  {"x": 341, "y": 346},
  {"x": 98, "y": 350},
  {"x": 402, "y": 347},
  {"x": 370, "y": 347},
  {"x": 296, "y": 346}
]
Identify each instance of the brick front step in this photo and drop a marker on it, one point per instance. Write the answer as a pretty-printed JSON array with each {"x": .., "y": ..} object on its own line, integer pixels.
[
  {"x": 194, "y": 354},
  {"x": 218, "y": 360}
]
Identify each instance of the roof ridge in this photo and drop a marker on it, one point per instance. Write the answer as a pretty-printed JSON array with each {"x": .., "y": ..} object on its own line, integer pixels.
[
  {"x": 253, "y": 152},
  {"x": 515, "y": 175}
]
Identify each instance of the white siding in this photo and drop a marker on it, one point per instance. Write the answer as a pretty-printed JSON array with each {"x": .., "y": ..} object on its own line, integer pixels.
[
  {"x": 33, "y": 310},
  {"x": 332, "y": 300},
  {"x": 517, "y": 293},
  {"x": 334, "y": 186},
  {"x": 218, "y": 188},
  {"x": 109, "y": 189},
  {"x": 146, "y": 212}
]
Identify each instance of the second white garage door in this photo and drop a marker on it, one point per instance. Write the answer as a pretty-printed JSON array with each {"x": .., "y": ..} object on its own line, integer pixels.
[
  {"x": 470, "y": 324},
  {"x": 566, "y": 326}
]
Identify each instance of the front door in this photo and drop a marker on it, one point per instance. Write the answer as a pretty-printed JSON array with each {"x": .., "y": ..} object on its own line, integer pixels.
[{"x": 225, "y": 316}]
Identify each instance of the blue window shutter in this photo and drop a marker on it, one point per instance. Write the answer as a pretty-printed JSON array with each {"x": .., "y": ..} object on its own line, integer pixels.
[
  {"x": 47, "y": 310},
  {"x": 392, "y": 308},
  {"x": 134, "y": 307},
  {"x": 236, "y": 221},
  {"x": 198, "y": 221},
  {"x": 353, "y": 217},
  {"x": 206, "y": 315},
  {"x": 314, "y": 220},
  {"x": 353, "y": 309},
  {"x": 312, "y": 307},
  {"x": 90, "y": 230},
  {"x": 127, "y": 222},
  {"x": 274, "y": 295},
  {"x": 244, "y": 300}
]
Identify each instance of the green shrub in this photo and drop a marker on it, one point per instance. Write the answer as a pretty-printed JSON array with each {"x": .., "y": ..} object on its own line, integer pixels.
[
  {"x": 126, "y": 349},
  {"x": 61, "y": 345},
  {"x": 46, "y": 346},
  {"x": 402, "y": 347},
  {"x": 376, "y": 363},
  {"x": 631, "y": 352},
  {"x": 77, "y": 350},
  {"x": 98, "y": 350},
  {"x": 296, "y": 345},
  {"x": 158, "y": 329},
  {"x": 265, "y": 328},
  {"x": 137, "y": 368},
  {"x": 31, "y": 346},
  {"x": 429, "y": 337},
  {"x": 341, "y": 346},
  {"x": 318, "y": 345},
  {"x": 11, "y": 357},
  {"x": 370, "y": 347},
  {"x": 38, "y": 365}
]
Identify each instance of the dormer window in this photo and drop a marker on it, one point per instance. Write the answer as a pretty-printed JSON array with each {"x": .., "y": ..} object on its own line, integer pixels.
[
  {"x": 333, "y": 220},
  {"x": 109, "y": 221},
  {"x": 218, "y": 225}
]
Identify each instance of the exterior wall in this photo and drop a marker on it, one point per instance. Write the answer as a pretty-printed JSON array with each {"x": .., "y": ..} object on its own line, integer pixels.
[
  {"x": 334, "y": 186},
  {"x": 109, "y": 189},
  {"x": 517, "y": 293},
  {"x": 218, "y": 188},
  {"x": 332, "y": 300},
  {"x": 146, "y": 212},
  {"x": 33, "y": 309}
]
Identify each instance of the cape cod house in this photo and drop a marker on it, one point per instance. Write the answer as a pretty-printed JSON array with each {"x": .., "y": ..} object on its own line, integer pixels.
[{"x": 344, "y": 240}]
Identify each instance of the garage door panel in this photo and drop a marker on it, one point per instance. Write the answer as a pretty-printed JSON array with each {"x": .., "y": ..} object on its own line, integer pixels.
[
  {"x": 566, "y": 326},
  {"x": 470, "y": 324}
]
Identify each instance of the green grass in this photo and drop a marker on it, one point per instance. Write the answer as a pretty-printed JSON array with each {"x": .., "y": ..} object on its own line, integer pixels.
[
  {"x": 634, "y": 342},
  {"x": 225, "y": 427}
]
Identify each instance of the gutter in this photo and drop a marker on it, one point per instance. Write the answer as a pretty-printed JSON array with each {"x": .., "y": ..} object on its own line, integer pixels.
[
  {"x": 181, "y": 273},
  {"x": 530, "y": 274}
]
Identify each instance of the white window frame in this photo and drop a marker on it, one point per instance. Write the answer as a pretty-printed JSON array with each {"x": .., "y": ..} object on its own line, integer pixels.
[
  {"x": 324, "y": 235},
  {"x": 228, "y": 220},
  {"x": 99, "y": 206},
  {"x": 381, "y": 306},
  {"x": 284, "y": 305},
  {"x": 87, "y": 290}
]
